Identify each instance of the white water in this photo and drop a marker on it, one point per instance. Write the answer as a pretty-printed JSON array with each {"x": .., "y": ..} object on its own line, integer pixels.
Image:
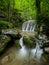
[
  {"x": 37, "y": 51},
  {"x": 21, "y": 42},
  {"x": 23, "y": 50},
  {"x": 28, "y": 26}
]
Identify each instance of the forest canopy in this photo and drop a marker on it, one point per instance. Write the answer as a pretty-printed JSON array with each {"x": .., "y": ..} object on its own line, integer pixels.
[{"x": 19, "y": 11}]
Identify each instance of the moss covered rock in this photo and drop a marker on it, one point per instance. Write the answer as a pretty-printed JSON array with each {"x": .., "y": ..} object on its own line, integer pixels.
[
  {"x": 3, "y": 42},
  {"x": 29, "y": 42},
  {"x": 17, "y": 44},
  {"x": 46, "y": 56}
]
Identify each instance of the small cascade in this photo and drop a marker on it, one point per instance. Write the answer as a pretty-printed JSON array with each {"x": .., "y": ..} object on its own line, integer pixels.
[
  {"x": 21, "y": 42},
  {"x": 28, "y": 26},
  {"x": 37, "y": 51},
  {"x": 37, "y": 46},
  {"x": 22, "y": 51}
]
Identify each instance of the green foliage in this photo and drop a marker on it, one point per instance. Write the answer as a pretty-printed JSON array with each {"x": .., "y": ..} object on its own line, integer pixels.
[
  {"x": 3, "y": 4},
  {"x": 29, "y": 42},
  {"x": 45, "y": 7},
  {"x": 5, "y": 24},
  {"x": 46, "y": 56},
  {"x": 18, "y": 11},
  {"x": 9, "y": 13},
  {"x": 16, "y": 18},
  {"x": 43, "y": 16},
  {"x": 27, "y": 8},
  {"x": 17, "y": 44},
  {"x": 3, "y": 43}
]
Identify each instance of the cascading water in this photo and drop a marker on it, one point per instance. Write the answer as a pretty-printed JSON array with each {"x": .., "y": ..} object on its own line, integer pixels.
[
  {"x": 21, "y": 42},
  {"x": 23, "y": 51},
  {"x": 28, "y": 26},
  {"x": 37, "y": 51}
]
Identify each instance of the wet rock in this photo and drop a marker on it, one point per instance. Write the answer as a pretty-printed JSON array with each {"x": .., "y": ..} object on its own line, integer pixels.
[
  {"x": 47, "y": 49},
  {"x": 13, "y": 33},
  {"x": 9, "y": 31}
]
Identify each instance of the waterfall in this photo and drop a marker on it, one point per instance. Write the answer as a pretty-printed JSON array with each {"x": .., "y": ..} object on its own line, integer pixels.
[
  {"x": 23, "y": 50},
  {"x": 21, "y": 42},
  {"x": 28, "y": 26},
  {"x": 24, "y": 26},
  {"x": 37, "y": 51}
]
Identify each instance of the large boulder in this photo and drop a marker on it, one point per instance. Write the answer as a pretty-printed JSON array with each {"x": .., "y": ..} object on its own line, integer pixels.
[{"x": 13, "y": 33}]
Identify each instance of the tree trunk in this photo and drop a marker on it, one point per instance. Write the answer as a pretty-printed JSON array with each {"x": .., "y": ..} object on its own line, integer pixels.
[
  {"x": 13, "y": 3},
  {"x": 38, "y": 14},
  {"x": 9, "y": 10},
  {"x": 38, "y": 6}
]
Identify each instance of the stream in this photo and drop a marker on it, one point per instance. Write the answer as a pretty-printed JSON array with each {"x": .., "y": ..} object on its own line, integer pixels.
[
  {"x": 14, "y": 56},
  {"x": 23, "y": 55}
]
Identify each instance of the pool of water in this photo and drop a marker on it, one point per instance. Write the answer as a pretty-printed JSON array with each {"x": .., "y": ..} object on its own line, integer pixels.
[{"x": 14, "y": 56}]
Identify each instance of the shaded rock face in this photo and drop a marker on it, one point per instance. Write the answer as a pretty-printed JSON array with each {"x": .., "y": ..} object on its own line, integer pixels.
[
  {"x": 8, "y": 38},
  {"x": 3, "y": 42},
  {"x": 28, "y": 26},
  {"x": 9, "y": 31},
  {"x": 13, "y": 33}
]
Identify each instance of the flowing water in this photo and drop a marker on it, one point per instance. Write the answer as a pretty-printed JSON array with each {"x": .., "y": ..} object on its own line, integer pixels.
[
  {"x": 23, "y": 50},
  {"x": 23, "y": 56},
  {"x": 28, "y": 26},
  {"x": 21, "y": 42},
  {"x": 36, "y": 52}
]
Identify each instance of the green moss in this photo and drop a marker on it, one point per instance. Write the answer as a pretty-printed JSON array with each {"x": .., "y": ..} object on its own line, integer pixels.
[
  {"x": 17, "y": 44},
  {"x": 4, "y": 43},
  {"x": 29, "y": 42},
  {"x": 46, "y": 56}
]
